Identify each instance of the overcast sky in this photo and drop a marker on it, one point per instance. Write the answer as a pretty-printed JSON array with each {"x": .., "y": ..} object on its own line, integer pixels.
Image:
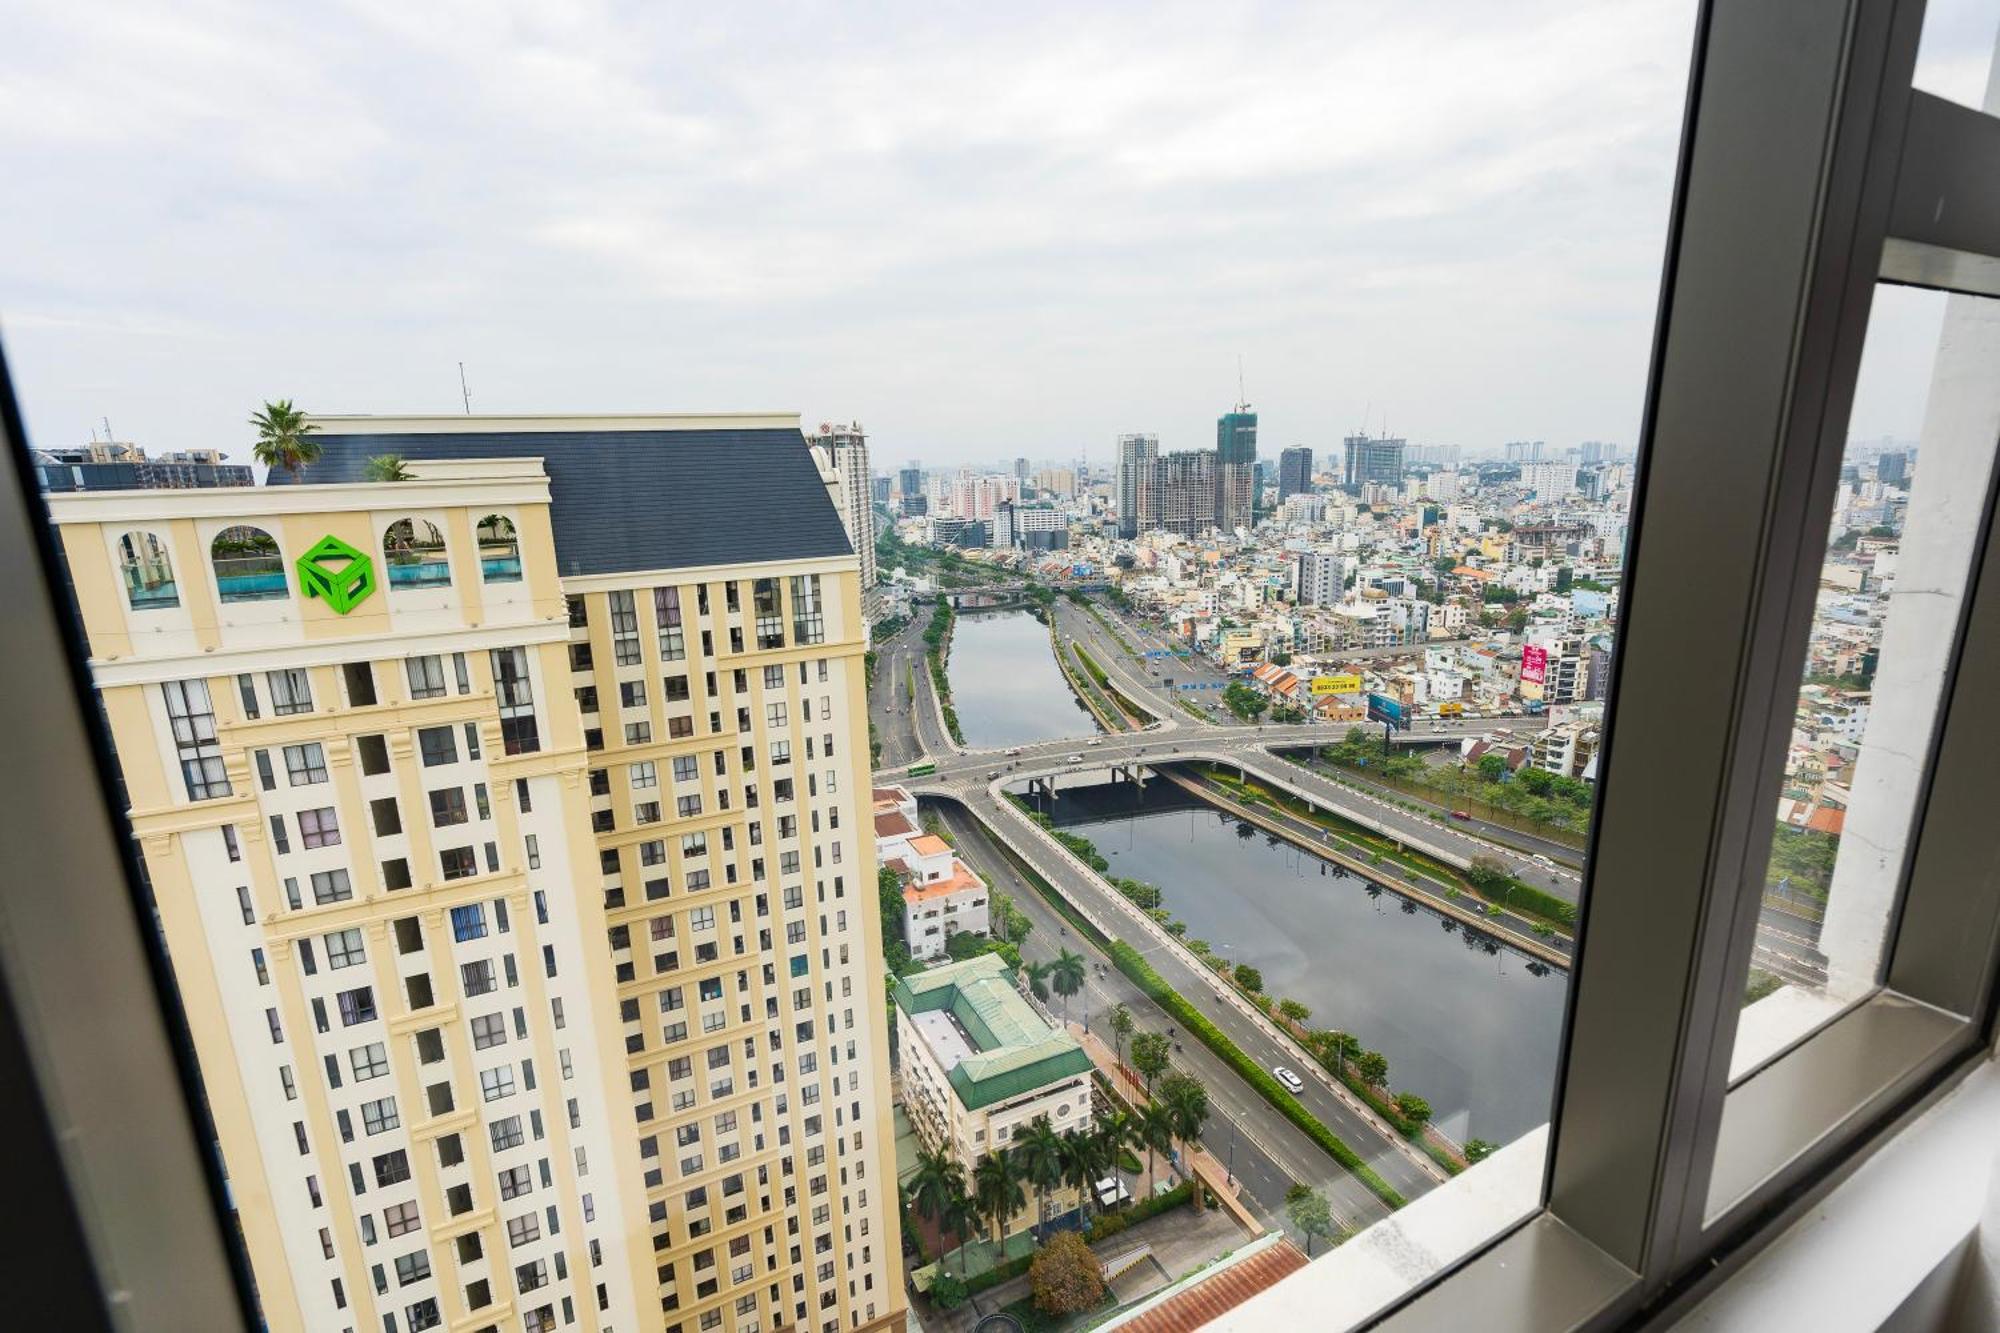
[{"x": 982, "y": 230}]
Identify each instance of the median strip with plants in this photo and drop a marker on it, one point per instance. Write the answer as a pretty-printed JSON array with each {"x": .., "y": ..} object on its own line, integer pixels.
[
  {"x": 1162, "y": 993},
  {"x": 935, "y": 636}
]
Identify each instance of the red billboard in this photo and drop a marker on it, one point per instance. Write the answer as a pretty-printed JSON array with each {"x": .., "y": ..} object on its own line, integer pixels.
[{"x": 1534, "y": 665}]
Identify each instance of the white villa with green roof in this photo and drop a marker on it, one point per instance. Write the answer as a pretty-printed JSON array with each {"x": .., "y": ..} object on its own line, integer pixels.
[{"x": 981, "y": 1062}]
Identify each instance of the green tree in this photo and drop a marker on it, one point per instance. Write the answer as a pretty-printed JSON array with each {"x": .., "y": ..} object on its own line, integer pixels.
[
  {"x": 889, "y": 898},
  {"x": 1116, "y": 1131},
  {"x": 1413, "y": 1108},
  {"x": 1066, "y": 974},
  {"x": 935, "y": 1185},
  {"x": 1294, "y": 1012},
  {"x": 997, "y": 1192},
  {"x": 1338, "y": 1046},
  {"x": 1486, "y": 873},
  {"x": 1149, "y": 1056},
  {"x": 1038, "y": 980},
  {"x": 284, "y": 437},
  {"x": 961, "y": 1219},
  {"x": 1039, "y": 1154},
  {"x": 1373, "y": 1066},
  {"x": 1249, "y": 978},
  {"x": 1122, "y": 1024},
  {"x": 1310, "y": 1213},
  {"x": 387, "y": 467},
  {"x": 1186, "y": 1102},
  {"x": 1065, "y": 1276},
  {"x": 1478, "y": 1150},
  {"x": 1084, "y": 1164},
  {"x": 1492, "y": 766},
  {"x": 1154, "y": 1128}
]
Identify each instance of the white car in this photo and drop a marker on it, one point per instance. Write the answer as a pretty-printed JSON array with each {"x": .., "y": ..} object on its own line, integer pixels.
[
  {"x": 1288, "y": 1078},
  {"x": 1074, "y": 759},
  {"x": 1096, "y": 740}
]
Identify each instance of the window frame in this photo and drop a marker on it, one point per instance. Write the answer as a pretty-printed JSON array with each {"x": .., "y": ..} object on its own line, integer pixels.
[{"x": 1811, "y": 171}]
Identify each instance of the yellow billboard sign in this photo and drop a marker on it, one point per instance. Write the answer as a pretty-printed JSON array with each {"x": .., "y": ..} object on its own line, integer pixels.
[{"x": 1348, "y": 684}]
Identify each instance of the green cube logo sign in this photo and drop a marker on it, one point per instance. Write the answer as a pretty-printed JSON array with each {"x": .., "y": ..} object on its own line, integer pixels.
[{"x": 336, "y": 571}]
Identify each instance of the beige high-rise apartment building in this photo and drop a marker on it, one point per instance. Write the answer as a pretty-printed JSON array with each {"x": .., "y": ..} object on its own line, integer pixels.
[{"x": 508, "y": 831}]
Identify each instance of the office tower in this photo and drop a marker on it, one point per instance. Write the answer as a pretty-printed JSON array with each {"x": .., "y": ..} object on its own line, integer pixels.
[
  {"x": 505, "y": 828},
  {"x": 1593, "y": 451},
  {"x": 1372, "y": 461},
  {"x": 1136, "y": 456},
  {"x": 1524, "y": 451},
  {"x": 1432, "y": 455},
  {"x": 878, "y": 491},
  {"x": 1893, "y": 467},
  {"x": 1235, "y": 468},
  {"x": 1549, "y": 481},
  {"x": 1295, "y": 472},
  {"x": 910, "y": 481},
  {"x": 110, "y": 465},
  {"x": 844, "y": 451},
  {"x": 1021, "y": 471},
  {"x": 1183, "y": 492}
]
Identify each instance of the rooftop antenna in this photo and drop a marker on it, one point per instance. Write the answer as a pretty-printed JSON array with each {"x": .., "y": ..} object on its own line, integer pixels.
[
  {"x": 1242, "y": 400},
  {"x": 108, "y": 436},
  {"x": 464, "y": 392}
]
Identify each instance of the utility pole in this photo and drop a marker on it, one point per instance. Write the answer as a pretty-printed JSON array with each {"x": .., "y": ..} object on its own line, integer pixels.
[{"x": 464, "y": 392}]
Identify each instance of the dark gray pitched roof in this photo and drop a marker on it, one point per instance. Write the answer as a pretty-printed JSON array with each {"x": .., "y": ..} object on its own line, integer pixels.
[{"x": 624, "y": 500}]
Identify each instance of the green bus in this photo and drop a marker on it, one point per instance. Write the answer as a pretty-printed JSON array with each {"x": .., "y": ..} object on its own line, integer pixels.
[{"x": 921, "y": 770}]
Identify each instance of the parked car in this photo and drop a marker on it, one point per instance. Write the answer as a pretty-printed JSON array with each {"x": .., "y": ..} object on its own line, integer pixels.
[
  {"x": 1074, "y": 759},
  {"x": 1014, "y": 750},
  {"x": 1288, "y": 1078},
  {"x": 1111, "y": 1192},
  {"x": 1461, "y": 814}
]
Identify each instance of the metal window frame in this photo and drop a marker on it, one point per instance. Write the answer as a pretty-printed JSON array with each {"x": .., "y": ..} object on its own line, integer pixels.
[{"x": 1810, "y": 171}]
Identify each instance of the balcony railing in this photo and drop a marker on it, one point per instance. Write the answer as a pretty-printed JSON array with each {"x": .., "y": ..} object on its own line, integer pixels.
[
  {"x": 416, "y": 572},
  {"x": 250, "y": 578}
]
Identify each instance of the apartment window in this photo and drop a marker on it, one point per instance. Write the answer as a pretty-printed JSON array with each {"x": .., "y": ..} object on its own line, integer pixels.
[
  {"x": 191, "y": 718},
  {"x": 379, "y": 1116},
  {"x": 468, "y": 922},
  {"x": 769, "y": 614},
  {"x": 344, "y": 948},
  {"x": 399, "y": 1219},
  {"x": 624, "y": 627},
  {"x": 458, "y": 862},
  {"x": 373, "y": 752},
  {"x": 437, "y": 745},
  {"x": 515, "y": 1181},
  {"x": 370, "y": 1061},
  {"x": 519, "y": 733},
  {"x": 291, "y": 691},
  {"x": 643, "y": 775},
  {"x": 488, "y": 1030},
  {"x": 319, "y": 828},
  {"x": 686, "y": 768},
  {"x": 426, "y": 676},
  {"x": 331, "y": 886},
  {"x": 305, "y": 764},
  {"x": 359, "y": 677},
  {"x": 808, "y": 619},
  {"x": 667, "y": 612},
  {"x": 496, "y": 1083},
  {"x": 687, "y": 807},
  {"x": 356, "y": 1006},
  {"x": 477, "y": 977},
  {"x": 523, "y": 1229}
]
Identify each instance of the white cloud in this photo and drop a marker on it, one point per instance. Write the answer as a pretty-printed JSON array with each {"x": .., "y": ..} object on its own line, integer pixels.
[{"x": 982, "y": 230}]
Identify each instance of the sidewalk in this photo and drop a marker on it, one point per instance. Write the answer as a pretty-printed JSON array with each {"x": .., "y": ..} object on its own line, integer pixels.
[{"x": 1205, "y": 1166}]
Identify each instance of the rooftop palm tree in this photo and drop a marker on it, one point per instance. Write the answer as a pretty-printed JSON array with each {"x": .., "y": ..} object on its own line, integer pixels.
[
  {"x": 1066, "y": 974},
  {"x": 936, "y": 1180},
  {"x": 1038, "y": 980},
  {"x": 283, "y": 437},
  {"x": 1039, "y": 1154},
  {"x": 388, "y": 467},
  {"x": 997, "y": 1193},
  {"x": 1117, "y": 1130}
]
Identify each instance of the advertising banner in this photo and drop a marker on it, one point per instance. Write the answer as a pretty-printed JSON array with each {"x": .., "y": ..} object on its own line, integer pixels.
[
  {"x": 1534, "y": 665},
  {"x": 1347, "y": 684}
]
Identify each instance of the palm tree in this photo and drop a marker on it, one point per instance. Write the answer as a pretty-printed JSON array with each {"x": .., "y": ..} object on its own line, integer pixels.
[
  {"x": 1040, "y": 1154},
  {"x": 1154, "y": 1127},
  {"x": 1038, "y": 980},
  {"x": 936, "y": 1181},
  {"x": 1186, "y": 1103},
  {"x": 1121, "y": 1027},
  {"x": 1066, "y": 974},
  {"x": 1117, "y": 1131},
  {"x": 961, "y": 1219},
  {"x": 282, "y": 442},
  {"x": 997, "y": 1193},
  {"x": 387, "y": 467},
  {"x": 1084, "y": 1164}
]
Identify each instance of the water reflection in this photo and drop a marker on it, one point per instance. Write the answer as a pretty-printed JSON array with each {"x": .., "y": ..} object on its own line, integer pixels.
[{"x": 1006, "y": 685}]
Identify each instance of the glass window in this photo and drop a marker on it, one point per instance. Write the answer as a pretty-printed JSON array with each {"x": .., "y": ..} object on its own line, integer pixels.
[
  {"x": 499, "y": 552},
  {"x": 248, "y": 567},
  {"x": 147, "y": 572},
  {"x": 414, "y": 551},
  {"x": 426, "y": 676},
  {"x": 291, "y": 691},
  {"x": 191, "y": 718},
  {"x": 468, "y": 922},
  {"x": 437, "y": 745}
]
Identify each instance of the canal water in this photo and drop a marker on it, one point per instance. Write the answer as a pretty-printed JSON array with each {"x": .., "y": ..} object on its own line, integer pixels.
[
  {"x": 1466, "y": 1023},
  {"x": 1006, "y": 685}
]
